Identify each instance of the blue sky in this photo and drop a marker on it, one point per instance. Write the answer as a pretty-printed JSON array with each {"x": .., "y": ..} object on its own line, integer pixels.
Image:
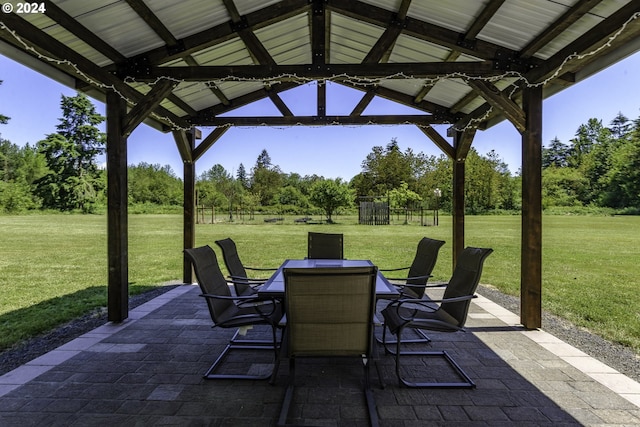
[{"x": 33, "y": 103}]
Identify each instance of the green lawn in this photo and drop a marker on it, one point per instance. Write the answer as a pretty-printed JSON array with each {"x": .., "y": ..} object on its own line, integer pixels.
[{"x": 54, "y": 267}]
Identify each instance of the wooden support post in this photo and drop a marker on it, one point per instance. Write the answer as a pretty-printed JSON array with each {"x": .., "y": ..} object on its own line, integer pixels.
[
  {"x": 117, "y": 225},
  {"x": 531, "y": 248},
  {"x": 189, "y": 228},
  {"x": 462, "y": 144},
  {"x": 458, "y": 209}
]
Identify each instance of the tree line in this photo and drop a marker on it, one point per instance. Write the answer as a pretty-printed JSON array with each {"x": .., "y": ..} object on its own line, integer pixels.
[{"x": 599, "y": 167}]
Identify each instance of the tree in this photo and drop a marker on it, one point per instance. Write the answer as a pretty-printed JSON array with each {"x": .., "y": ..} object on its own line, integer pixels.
[
  {"x": 73, "y": 181},
  {"x": 557, "y": 154},
  {"x": 242, "y": 177},
  {"x": 402, "y": 197},
  {"x": 329, "y": 195},
  {"x": 154, "y": 184},
  {"x": 623, "y": 178},
  {"x": 563, "y": 186},
  {"x": 266, "y": 179},
  {"x": 19, "y": 168},
  {"x": 620, "y": 126},
  {"x": 264, "y": 160},
  {"x": 385, "y": 168}
]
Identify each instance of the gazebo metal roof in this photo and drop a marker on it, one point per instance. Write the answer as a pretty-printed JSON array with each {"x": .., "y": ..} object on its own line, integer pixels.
[
  {"x": 450, "y": 60},
  {"x": 179, "y": 65}
]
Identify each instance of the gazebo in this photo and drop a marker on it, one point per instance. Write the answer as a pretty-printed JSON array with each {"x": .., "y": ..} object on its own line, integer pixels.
[{"x": 181, "y": 65}]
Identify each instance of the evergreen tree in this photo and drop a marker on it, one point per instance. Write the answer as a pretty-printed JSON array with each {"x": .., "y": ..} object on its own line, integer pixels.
[
  {"x": 557, "y": 154},
  {"x": 620, "y": 126},
  {"x": 242, "y": 177},
  {"x": 73, "y": 181}
]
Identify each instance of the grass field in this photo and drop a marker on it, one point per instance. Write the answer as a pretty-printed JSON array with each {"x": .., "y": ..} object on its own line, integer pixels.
[{"x": 54, "y": 267}]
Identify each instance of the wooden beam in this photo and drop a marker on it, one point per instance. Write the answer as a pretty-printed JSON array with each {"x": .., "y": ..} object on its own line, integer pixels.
[
  {"x": 462, "y": 143},
  {"x": 240, "y": 101},
  {"x": 153, "y": 21},
  {"x": 322, "y": 120},
  {"x": 82, "y": 33},
  {"x": 531, "y": 246},
  {"x": 189, "y": 207},
  {"x": 501, "y": 101},
  {"x": 567, "y": 19},
  {"x": 437, "y": 139},
  {"x": 280, "y": 104},
  {"x": 483, "y": 19},
  {"x": 335, "y": 72},
  {"x": 208, "y": 142},
  {"x": 117, "y": 214},
  {"x": 594, "y": 38},
  {"x": 437, "y": 110},
  {"x": 225, "y": 31},
  {"x": 319, "y": 32},
  {"x": 146, "y": 105},
  {"x": 52, "y": 47},
  {"x": 184, "y": 147},
  {"x": 321, "y": 102},
  {"x": 419, "y": 29},
  {"x": 363, "y": 103}
]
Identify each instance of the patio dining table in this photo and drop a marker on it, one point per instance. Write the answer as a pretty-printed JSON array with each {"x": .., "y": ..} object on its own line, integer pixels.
[{"x": 274, "y": 287}]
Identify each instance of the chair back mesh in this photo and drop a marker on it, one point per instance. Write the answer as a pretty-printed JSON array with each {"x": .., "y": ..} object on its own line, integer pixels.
[
  {"x": 330, "y": 310},
  {"x": 211, "y": 280},
  {"x": 325, "y": 246},
  {"x": 464, "y": 281},
  {"x": 233, "y": 263},
  {"x": 423, "y": 264}
]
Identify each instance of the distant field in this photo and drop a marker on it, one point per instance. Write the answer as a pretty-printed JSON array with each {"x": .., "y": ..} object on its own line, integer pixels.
[{"x": 54, "y": 267}]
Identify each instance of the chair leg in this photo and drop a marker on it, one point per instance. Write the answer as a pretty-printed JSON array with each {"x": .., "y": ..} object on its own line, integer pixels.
[
  {"x": 288, "y": 395},
  {"x": 368, "y": 394},
  {"x": 423, "y": 338},
  {"x": 243, "y": 345},
  {"x": 465, "y": 383}
]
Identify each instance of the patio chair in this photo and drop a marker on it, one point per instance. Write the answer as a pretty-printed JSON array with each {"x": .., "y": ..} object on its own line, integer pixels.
[
  {"x": 325, "y": 246},
  {"x": 419, "y": 271},
  {"x": 329, "y": 314},
  {"x": 449, "y": 316},
  {"x": 237, "y": 271},
  {"x": 415, "y": 284},
  {"x": 229, "y": 311}
]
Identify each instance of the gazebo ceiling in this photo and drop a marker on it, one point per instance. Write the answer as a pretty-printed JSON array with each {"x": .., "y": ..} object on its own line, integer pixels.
[{"x": 457, "y": 61}]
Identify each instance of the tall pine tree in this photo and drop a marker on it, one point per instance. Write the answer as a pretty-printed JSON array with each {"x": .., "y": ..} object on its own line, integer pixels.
[{"x": 73, "y": 181}]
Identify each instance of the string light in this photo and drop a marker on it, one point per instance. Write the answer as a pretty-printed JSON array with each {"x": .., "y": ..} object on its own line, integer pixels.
[{"x": 358, "y": 81}]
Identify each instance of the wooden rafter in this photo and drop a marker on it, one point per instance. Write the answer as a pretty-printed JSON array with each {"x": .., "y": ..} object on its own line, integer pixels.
[
  {"x": 440, "y": 142},
  {"x": 591, "y": 40},
  {"x": 51, "y": 46},
  {"x": 224, "y": 32},
  {"x": 83, "y": 33},
  {"x": 500, "y": 100},
  {"x": 208, "y": 142},
  {"x": 146, "y": 105},
  {"x": 418, "y": 29},
  {"x": 468, "y": 39},
  {"x": 574, "y": 13}
]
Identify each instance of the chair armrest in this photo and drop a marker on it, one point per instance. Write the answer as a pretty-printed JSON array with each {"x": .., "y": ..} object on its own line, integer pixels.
[
  {"x": 429, "y": 305},
  {"x": 423, "y": 302},
  {"x": 409, "y": 278},
  {"x": 246, "y": 280},
  {"x": 393, "y": 269},
  {"x": 250, "y": 301},
  {"x": 259, "y": 269}
]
